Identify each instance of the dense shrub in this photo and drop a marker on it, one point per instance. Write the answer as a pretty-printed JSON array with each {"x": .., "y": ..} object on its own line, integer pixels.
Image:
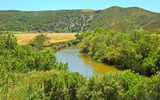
[
  {"x": 153, "y": 87},
  {"x": 24, "y": 58},
  {"x": 63, "y": 86},
  {"x": 73, "y": 86},
  {"x": 121, "y": 86},
  {"x": 134, "y": 49},
  {"x": 100, "y": 87}
]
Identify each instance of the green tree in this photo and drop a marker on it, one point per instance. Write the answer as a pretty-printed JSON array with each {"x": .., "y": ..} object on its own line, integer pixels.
[
  {"x": 40, "y": 41},
  {"x": 131, "y": 49}
]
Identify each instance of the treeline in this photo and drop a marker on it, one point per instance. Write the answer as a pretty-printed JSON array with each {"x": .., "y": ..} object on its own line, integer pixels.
[{"x": 137, "y": 50}]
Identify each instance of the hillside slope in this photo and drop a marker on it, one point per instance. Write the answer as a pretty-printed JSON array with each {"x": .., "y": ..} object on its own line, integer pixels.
[
  {"x": 126, "y": 19},
  {"x": 116, "y": 18}
]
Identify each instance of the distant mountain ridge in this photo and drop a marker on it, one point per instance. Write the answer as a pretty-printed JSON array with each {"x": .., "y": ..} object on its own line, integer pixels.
[{"x": 116, "y": 18}]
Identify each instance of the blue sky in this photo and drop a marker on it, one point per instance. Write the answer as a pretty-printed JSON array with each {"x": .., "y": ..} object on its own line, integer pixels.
[{"x": 36, "y": 5}]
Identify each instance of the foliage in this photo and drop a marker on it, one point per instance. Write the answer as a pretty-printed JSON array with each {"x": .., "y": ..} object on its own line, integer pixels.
[
  {"x": 8, "y": 41},
  {"x": 126, "y": 19},
  {"x": 153, "y": 87},
  {"x": 66, "y": 85},
  {"x": 23, "y": 58},
  {"x": 45, "y": 21},
  {"x": 120, "y": 86},
  {"x": 134, "y": 49},
  {"x": 99, "y": 87},
  {"x": 40, "y": 41},
  {"x": 31, "y": 74},
  {"x": 117, "y": 18},
  {"x": 21, "y": 86}
]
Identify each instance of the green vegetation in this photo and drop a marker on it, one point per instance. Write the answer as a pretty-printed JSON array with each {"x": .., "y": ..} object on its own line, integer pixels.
[
  {"x": 126, "y": 19},
  {"x": 33, "y": 73},
  {"x": 23, "y": 58},
  {"x": 45, "y": 21},
  {"x": 27, "y": 73},
  {"x": 39, "y": 41},
  {"x": 121, "y": 86},
  {"x": 137, "y": 50},
  {"x": 66, "y": 85},
  {"x": 115, "y": 18}
]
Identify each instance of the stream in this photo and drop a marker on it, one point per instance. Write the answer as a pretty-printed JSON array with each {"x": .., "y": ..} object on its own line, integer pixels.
[{"x": 82, "y": 63}]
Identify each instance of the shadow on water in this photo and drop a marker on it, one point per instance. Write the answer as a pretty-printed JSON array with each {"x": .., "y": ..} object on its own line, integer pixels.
[
  {"x": 82, "y": 63},
  {"x": 98, "y": 68}
]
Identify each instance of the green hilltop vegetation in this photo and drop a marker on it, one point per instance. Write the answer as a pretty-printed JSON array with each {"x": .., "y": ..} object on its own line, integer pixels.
[
  {"x": 116, "y": 18},
  {"x": 45, "y": 21}
]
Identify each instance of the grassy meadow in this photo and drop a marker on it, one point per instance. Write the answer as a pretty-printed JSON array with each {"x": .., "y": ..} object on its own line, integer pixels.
[{"x": 25, "y": 38}]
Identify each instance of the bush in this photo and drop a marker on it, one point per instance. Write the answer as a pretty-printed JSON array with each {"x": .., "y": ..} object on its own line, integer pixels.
[
  {"x": 39, "y": 41},
  {"x": 63, "y": 87},
  {"x": 74, "y": 86},
  {"x": 134, "y": 49},
  {"x": 153, "y": 87},
  {"x": 108, "y": 86},
  {"x": 24, "y": 58}
]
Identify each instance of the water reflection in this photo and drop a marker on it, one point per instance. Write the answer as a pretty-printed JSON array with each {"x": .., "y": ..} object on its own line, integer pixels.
[
  {"x": 82, "y": 63},
  {"x": 98, "y": 68}
]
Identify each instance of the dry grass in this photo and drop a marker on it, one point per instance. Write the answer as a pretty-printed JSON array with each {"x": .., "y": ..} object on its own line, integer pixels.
[
  {"x": 87, "y": 10},
  {"x": 25, "y": 38}
]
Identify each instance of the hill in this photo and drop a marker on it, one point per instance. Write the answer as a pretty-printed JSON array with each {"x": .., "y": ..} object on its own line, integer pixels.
[
  {"x": 126, "y": 19},
  {"x": 46, "y": 21},
  {"x": 116, "y": 18}
]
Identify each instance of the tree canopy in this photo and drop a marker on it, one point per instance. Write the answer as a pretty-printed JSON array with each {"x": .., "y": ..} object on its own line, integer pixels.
[{"x": 133, "y": 49}]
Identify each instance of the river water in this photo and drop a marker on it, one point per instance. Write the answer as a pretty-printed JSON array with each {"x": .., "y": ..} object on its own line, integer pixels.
[{"x": 82, "y": 63}]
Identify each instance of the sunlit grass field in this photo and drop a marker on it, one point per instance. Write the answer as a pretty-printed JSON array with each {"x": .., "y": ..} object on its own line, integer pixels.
[{"x": 25, "y": 38}]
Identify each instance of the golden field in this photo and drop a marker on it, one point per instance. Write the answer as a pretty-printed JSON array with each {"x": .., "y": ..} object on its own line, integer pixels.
[{"x": 25, "y": 38}]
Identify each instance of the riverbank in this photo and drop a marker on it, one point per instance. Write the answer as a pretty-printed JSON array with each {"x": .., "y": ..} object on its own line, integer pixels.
[
  {"x": 136, "y": 50},
  {"x": 82, "y": 63},
  {"x": 28, "y": 73},
  {"x": 62, "y": 45}
]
